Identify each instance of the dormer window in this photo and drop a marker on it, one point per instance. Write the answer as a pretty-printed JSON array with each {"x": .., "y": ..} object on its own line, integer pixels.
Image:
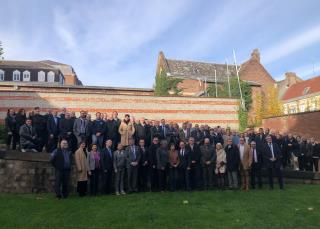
[
  {"x": 41, "y": 76},
  {"x": 50, "y": 77},
  {"x": 306, "y": 90},
  {"x": 16, "y": 75},
  {"x": 1, "y": 75},
  {"x": 26, "y": 76}
]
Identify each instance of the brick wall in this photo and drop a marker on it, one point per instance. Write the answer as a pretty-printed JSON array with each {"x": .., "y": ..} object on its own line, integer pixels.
[
  {"x": 306, "y": 124},
  {"x": 210, "y": 111}
]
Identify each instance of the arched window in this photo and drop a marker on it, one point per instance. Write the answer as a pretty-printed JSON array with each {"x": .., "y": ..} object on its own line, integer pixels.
[
  {"x": 1, "y": 75},
  {"x": 16, "y": 75},
  {"x": 26, "y": 76},
  {"x": 41, "y": 76},
  {"x": 51, "y": 77}
]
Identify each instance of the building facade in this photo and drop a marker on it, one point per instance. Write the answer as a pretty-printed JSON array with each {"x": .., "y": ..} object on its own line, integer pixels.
[
  {"x": 42, "y": 72},
  {"x": 302, "y": 96}
]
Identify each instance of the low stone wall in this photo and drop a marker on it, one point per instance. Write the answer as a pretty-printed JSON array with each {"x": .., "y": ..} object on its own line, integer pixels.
[
  {"x": 33, "y": 173},
  {"x": 27, "y": 173}
]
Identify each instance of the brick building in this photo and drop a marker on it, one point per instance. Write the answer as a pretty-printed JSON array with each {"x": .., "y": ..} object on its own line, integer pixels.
[
  {"x": 196, "y": 76},
  {"x": 302, "y": 96}
]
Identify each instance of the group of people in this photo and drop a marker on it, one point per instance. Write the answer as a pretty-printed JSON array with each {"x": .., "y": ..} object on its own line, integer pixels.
[{"x": 151, "y": 155}]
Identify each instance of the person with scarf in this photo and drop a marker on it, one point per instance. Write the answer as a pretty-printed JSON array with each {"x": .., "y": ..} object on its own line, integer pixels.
[
  {"x": 126, "y": 130},
  {"x": 220, "y": 170},
  {"x": 94, "y": 167}
]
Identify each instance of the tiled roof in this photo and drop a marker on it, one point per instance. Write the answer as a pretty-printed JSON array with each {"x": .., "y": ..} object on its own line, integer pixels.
[
  {"x": 303, "y": 88},
  {"x": 26, "y": 64},
  {"x": 199, "y": 70}
]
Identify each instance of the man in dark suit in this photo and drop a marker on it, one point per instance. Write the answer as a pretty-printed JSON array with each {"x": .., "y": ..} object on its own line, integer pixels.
[
  {"x": 143, "y": 175},
  {"x": 184, "y": 168},
  {"x": 256, "y": 165},
  {"x": 53, "y": 130},
  {"x": 61, "y": 161},
  {"x": 140, "y": 130},
  {"x": 133, "y": 158},
  {"x": 272, "y": 158},
  {"x": 164, "y": 130},
  {"x": 28, "y": 137},
  {"x": 39, "y": 122},
  {"x": 156, "y": 131},
  {"x": 197, "y": 135},
  {"x": 194, "y": 164},
  {"x": 106, "y": 163},
  {"x": 260, "y": 139},
  {"x": 66, "y": 131},
  {"x": 153, "y": 164}
]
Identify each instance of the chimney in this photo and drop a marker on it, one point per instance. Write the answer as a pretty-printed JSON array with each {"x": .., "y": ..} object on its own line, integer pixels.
[
  {"x": 291, "y": 78},
  {"x": 255, "y": 55}
]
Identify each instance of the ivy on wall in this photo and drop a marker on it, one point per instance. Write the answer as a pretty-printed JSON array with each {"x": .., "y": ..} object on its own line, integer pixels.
[{"x": 166, "y": 85}]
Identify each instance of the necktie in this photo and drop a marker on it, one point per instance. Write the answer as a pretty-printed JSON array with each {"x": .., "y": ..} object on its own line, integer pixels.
[
  {"x": 182, "y": 152},
  {"x": 110, "y": 154},
  {"x": 134, "y": 153},
  {"x": 255, "y": 155},
  {"x": 271, "y": 148}
]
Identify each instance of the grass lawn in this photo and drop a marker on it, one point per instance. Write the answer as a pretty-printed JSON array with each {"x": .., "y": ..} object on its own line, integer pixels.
[{"x": 206, "y": 209}]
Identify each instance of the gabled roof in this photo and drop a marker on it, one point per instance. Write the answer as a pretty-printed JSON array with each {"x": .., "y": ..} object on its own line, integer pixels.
[
  {"x": 199, "y": 70},
  {"x": 304, "y": 88}
]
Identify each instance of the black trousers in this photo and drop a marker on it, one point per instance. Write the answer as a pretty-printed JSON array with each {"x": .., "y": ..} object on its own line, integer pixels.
[
  {"x": 62, "y": 178},
  {"x": 14, "y": 138},
  {"x": 82, "y": 188},
  {"x": 256, "y": 175},
  {"x": 316, "y": 164},
  {"x": 162, "y": 178},
  {"x": 278, "y": 172},
  {"x": 132, "y": 172},
  {"x": 302, "y": 163},
  {"x": 184, "y": 178},
  {"x": 308, "y": 164},
  {"x": 174, "y": 178},
  {"x": 94, "y": 182},
  {"x": 193, "y": 175},
  {"x": 52, "y": 144},
  {"x": 106, "y": 179},
  {"x": 154, "y": 179},
  {"x": 207, "y": 171},
  {"x": 144, "y": 181}
]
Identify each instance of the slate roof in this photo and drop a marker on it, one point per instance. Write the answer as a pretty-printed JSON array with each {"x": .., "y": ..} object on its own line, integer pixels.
[{"x": 199, "y": 70}]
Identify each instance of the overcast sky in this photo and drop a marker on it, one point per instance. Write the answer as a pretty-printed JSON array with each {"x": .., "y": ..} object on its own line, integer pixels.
[{"x": 116, "y": 43}]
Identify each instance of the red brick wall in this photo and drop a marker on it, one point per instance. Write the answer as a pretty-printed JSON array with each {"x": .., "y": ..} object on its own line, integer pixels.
[{"x": 306, "y": 124}]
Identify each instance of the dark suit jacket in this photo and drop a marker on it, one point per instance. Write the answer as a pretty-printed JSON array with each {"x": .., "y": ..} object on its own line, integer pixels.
[
  {"x": 65, "y": 126},
  {"x": 145, "y": 156},
  {"x": 268, "y": 154},
  {"x": 156, "y": 132},
  {"x": 106, "y": 161},
  {"x": 197, "y": 135},
  {"x": 259, "y": 157},
  {"x": 130, "y": 155},
  {"x": 194, "y": 155},
  {"x": 185, "y": 159},
  {"x": 153, "y": 154},
  {"x": 52, "y": 126},
  {"x": 233, "y": 157}
]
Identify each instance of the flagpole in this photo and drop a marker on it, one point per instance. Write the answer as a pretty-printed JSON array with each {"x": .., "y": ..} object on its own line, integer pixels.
[
  {"x": 228, "y": 78},
  {"x": 237, "y": 71},
  {"x": 215, "y": 80}
]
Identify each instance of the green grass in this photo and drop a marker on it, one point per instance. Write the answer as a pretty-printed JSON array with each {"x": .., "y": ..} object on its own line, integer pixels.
[{"x": 210, "y": 209}]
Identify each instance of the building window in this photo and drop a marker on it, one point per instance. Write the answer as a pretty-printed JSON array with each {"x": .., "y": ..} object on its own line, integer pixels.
[
  {"x": 51, "y": 77},
  {"x": 306, "y": 90},
  {"x": 1, "y": 75},
  {"x": 26, "y": 76},
  {"x": 302, "y": 108},
  {"x": 41, "y": 76},
  {"x": 61, "y": 80},
  {"x": 16, "y": 75}
]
